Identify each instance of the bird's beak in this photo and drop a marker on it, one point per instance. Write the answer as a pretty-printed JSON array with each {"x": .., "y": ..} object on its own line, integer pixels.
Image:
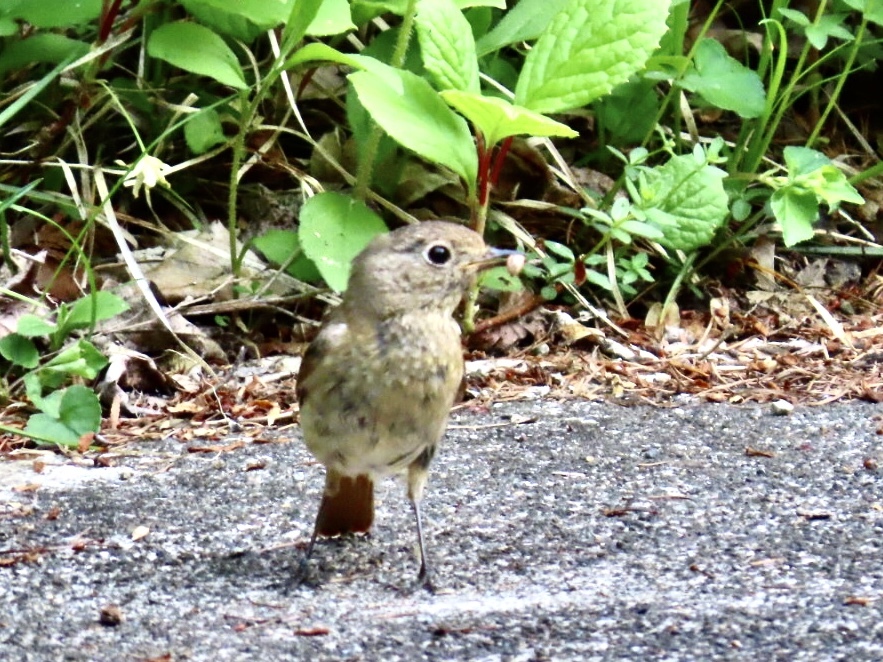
[{"x": 495, "y": 257}]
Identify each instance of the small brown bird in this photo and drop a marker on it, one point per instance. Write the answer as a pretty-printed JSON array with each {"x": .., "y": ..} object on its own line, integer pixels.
[{"x": 376, "y": 385}]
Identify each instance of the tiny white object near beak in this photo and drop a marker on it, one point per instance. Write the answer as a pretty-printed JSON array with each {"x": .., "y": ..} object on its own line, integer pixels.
[{"x": 515, "y": 263}]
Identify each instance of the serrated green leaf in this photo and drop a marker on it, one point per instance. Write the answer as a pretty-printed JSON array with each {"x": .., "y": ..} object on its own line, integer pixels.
[
  {"x": 589, "y": 48},
  {"x": 19, "y": 350},
  {"x": 196, "y": 49},
  {"x": 413, "y": 114},
  {"x": 796, "y": 210},
  {"x": 447, "y": 45},
  {"x": 724, "y": 82},
  {"x": 687, "y": 201},
  {"x": 525, "y": 21},
  {"x": 497, "y": 119},
  {"x": 334, "y": 228},
  {"x": 203, "y": 131}
]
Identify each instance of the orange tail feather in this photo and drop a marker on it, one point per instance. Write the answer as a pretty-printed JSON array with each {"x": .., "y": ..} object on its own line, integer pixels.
[{"x": 347, "y": 505}]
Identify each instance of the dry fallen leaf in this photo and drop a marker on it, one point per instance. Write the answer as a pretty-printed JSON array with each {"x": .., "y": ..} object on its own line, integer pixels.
[{"x": 756, "y": 452}]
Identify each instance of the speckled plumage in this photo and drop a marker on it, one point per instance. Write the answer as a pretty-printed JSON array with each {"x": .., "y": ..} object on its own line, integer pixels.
[{"x": 377, "y": 383}]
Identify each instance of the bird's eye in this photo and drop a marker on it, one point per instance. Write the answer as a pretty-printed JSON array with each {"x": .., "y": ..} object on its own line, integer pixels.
[{"x": 438, "y": 254}]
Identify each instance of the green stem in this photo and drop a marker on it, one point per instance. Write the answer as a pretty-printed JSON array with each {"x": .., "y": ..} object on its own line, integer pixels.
[
  {"x": 686, "y": 268},
  {"x": 365, "y": 169},
  {"x": 841, "y": 81},
  {"x": 238, "y": 149},
  {"x": 784, "y": 102}
]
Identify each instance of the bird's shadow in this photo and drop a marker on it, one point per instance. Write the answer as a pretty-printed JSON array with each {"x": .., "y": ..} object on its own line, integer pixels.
[{"x": 343, "y": 560}]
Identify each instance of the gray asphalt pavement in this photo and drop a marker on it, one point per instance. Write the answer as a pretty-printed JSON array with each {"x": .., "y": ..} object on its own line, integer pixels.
[{"x": 556, "y": 531}]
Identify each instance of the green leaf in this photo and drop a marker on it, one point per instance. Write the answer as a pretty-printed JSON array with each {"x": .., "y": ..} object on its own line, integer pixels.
[
  {"x": 19, "y": 350},
  {"x": 641, "y": 229},
  {"x": 302, "y": 14},
  {"x": 686, "y": 200},
  {"x": 279, "y": 245},
  {"x": 196, "y": 49},
  {"x": 501, "y": 280},
  {"x": 32, "y": 326},
  {"x": 8, "y": 27},
  {"x": 413, "y": 114},
  {"x": 80, "y": 359},
  {"x": 75, "y": 412},
  {"x": 232, "y": 19},
  {"x": 796, "y": 210},
  {"x": 827, "y": 25},
  {"x": 50, "y": 430},
  {"x": 524, "y": 22},
  {"x": 45, "y": 47},
  {"x": 559, "y": 250},
  {"x": 203, "y": 131},
  {"x": 497, "y": 119},
  {"x": 803, "y": 161},
  {"x": 87, "y": 311},
  {"x": 598, "y": 279},
  {"x": 813, "y": 171},
  {"x": 724, "y": 82},
  {"x": 332, "y": 18},
  {"x": 831, "y": 185},
  {"x": 447, "y": 45},
  {"x": 589, "y": 48},
  {"x": 629, "y": 112},
  {"x": 52, "y": 13},
  {"x": 797, "y": 16},
  {"x": 334, "y": 228},
  {"x": 263, "y": 14},
  {"x": 872, "y": 9},
  {"x": 319, "y": 52}
]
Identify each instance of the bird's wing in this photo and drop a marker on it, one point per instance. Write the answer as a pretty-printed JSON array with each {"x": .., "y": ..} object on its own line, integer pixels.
[{"x": 331, "y": 336}]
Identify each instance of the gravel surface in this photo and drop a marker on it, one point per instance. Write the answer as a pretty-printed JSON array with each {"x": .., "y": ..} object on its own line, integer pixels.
[{"x": 556, "y": 531}]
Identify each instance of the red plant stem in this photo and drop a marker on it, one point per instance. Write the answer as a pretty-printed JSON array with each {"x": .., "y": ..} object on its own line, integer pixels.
[
  {"x": 484, "y": 165},
  {"x": 111, "y": 11},
  {"x": 308, "y": 76},
  {"x": 499, "y": 159}
]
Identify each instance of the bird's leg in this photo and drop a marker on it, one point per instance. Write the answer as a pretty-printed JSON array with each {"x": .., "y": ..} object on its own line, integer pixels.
[
  {"x": 417, "y": 474},
  {"x": 303, "y": 568}
]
